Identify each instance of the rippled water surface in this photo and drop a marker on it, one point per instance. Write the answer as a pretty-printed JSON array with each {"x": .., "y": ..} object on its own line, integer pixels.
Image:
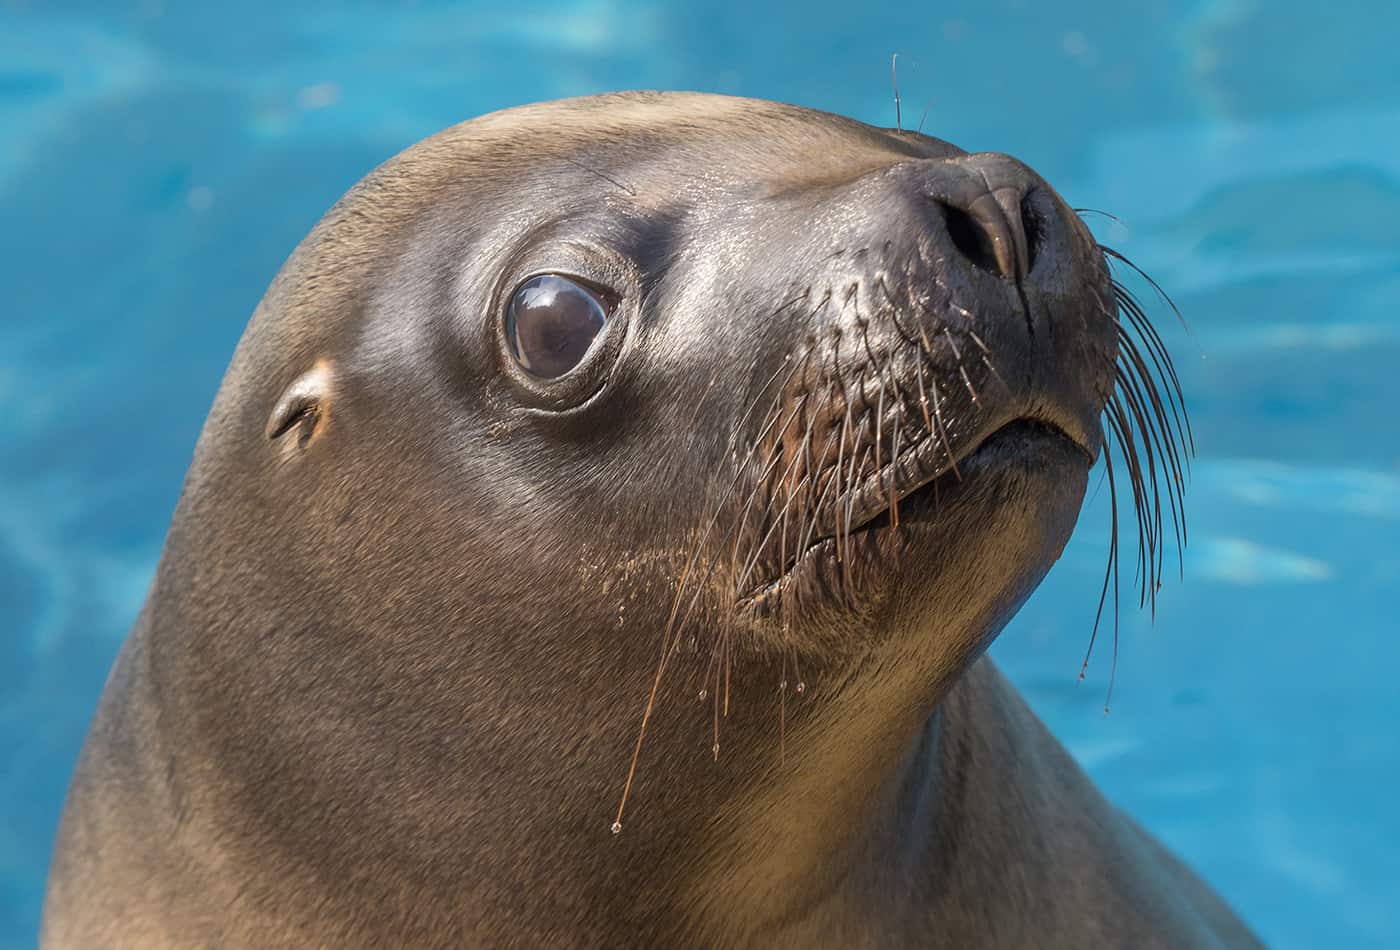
[{"x": 159, "y": 159}]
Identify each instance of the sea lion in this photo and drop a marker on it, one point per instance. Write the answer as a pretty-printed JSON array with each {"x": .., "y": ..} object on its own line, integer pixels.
[{"x": 669, "y": 450}]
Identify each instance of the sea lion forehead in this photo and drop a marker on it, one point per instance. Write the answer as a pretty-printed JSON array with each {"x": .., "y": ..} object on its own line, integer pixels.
[
  {"x": 725, "y": 137},
  {"x": 661, "y": 116}
]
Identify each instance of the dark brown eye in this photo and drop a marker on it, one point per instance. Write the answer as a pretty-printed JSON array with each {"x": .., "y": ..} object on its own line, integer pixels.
[{"x": 551, "y": 322}]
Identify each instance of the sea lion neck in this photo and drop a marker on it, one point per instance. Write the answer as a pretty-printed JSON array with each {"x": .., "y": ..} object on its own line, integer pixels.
[
  {"x": 859, "y": 794},
  {"x": 771, "y": 836},
  {"x": 826, "y": 833}
]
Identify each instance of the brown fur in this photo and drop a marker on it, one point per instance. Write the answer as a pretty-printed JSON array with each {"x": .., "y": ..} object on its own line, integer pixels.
[{"x": 389, "y": 677}]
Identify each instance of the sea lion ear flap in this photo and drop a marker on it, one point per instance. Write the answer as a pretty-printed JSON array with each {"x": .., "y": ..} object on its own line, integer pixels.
[{"x": 303, "y": 406}]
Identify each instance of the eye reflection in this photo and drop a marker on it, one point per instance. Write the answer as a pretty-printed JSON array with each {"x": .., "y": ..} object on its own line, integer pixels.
[{"x": 551, "y": 322}]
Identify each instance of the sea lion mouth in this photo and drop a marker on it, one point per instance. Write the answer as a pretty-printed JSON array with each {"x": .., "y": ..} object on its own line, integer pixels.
[
  {"x": 893, "y": 494},
  {"x": 906, "y": 492}
]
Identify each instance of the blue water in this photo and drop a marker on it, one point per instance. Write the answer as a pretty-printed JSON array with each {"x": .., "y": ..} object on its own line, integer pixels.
[{"x": 158, "y": 160}]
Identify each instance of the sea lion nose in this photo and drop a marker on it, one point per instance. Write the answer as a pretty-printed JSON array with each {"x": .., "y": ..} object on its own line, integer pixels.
[{"x": 983, "y": 207}]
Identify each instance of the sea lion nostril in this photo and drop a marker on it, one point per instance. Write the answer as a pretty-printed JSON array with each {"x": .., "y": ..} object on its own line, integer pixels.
[
  {"x": 990, "y": 232},
  {"x": 971, "y": 240}
]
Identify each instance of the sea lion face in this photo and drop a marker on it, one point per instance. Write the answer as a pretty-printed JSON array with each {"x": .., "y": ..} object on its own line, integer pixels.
[{"x": 805, "y": 365}]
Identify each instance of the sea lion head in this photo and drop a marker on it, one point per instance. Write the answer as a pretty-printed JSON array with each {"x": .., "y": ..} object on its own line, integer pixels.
[{"x": 574, "y": 413}]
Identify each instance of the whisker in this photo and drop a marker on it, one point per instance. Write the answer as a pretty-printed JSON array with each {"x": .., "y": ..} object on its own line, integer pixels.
[
  {"x": 851, "y": 491},
  {"x": 670, "y": 628},
  {"x": 1083, "y": 211},
  {"x": 1166, "y": 298},
  {"x": 927, "y": 105},
  {"x": 879, "y": 419},
  {"x": 962, "y": 370},
  {"x": 1111, "y": 569},
  {"x": 1135, "y": 415},
  {"x": 987, "y": 359},
  {"x": 894, "y": 80},
  {"x": 943, "y": 432},
  {"x": 811, "y": 524},
  {"x": 840, "y": 455},
  {"x": 1146, "y": 543},
  {"x": 779, "y": 525},
  {"x": 894, "y": 464},
  {"x": 1135, "y": 381},
  {"x": 1161, "y": 360},
  {"x": 774, "y": 457}
]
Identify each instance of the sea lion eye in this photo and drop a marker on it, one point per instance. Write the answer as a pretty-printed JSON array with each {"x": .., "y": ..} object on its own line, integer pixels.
[{"x": 551, "y": 322}]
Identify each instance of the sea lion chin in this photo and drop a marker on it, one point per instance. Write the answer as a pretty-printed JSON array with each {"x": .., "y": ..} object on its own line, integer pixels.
[{"x": 572, "y": 414}]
